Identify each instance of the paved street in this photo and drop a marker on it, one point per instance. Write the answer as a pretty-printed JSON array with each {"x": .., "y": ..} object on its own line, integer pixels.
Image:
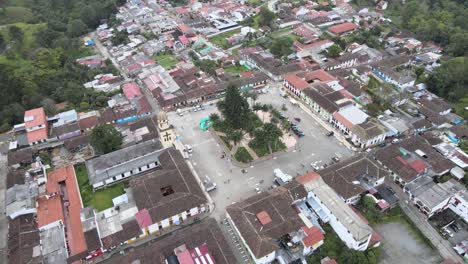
[
  {"x": 3, "y": 218},
  {"x": 233, "y": 185},
  {"x": 443, "y": 246}
]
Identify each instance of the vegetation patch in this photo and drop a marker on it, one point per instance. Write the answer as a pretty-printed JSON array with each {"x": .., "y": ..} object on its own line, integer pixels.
[
  {"x": 243, "y": 155},
  {"x": 374, "y": 216},
  {"x": 226, "y": 142},
  {"x": 101, "y": 199},
  {"x": 235, "y": 69},
  {"x": 220, "y": 40},
  {"x": 15, "y": 14},
  {"x": 166, "y": 60},
  {"x": 334, "y": 248}
]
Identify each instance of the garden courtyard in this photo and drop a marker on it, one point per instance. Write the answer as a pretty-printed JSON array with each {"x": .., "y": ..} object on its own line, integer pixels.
[
  {"x": 250, "y": 132},
  {"x": 101, "y": 199}
]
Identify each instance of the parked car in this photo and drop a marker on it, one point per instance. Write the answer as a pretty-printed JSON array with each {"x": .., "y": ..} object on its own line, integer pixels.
[
  {"x": 447, "y": 232},
  {"x": 336, "y": 159},
  {"x": 455, "y": 227},
  {"x": 329, "y": 133},
  {"x": 297, "y": 119}
]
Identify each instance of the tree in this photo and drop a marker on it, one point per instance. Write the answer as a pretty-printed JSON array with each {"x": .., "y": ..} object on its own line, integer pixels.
[
  {"x": 214, "y": 118},
  {"x": 458, "y": 44},
  {"x": 16, "y": 33},
  {"x": 234, "y": 107},
  {"x": 89, "y": 17},
  {"x": 49, "y": 106},
  {"x": 208, "y": 66},
  {"x": 106, "y": 139},
  {"x": 268, "y": 135},
  {"x": 76, "y": 28},
  {"x": 236, "y": 136},
  {"x": 265, "y": 17},
  {"x": 334, "y": 51},
  {"x": 120, "y": 37},
  {"x": 281, "y": 46}
]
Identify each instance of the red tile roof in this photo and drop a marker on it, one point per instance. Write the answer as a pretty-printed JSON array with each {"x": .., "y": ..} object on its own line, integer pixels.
[
  {"x": 342, "y": 28},
  {"x": 36, "y": 135},
  {"x": 320, "y": 75},
  {"x": 88, "y": 122},
  {"x": 143, "y": 218},
  {"x": 264, "y": 218},
  {"x": 418, "y": 166},
  {"x": 49, "y": 210},
  {"x": 131, "y": 90},
  {"x": 303, "y": 179},
  {"x": 35, "y": 117},
  {"x": 184, "y": 40},
  {"x": 184, "y": 28},
  {"x": 295, "y": 81},
  {"x": 341, "y": 119},
  {"x": 75, "y": 235},
  {"x": 314, "y": 236},
  {"x": 247, "y": 74}
]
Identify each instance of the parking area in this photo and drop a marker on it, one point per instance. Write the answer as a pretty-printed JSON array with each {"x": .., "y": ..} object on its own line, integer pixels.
[
  {"x": 450, "y": 225},
  {"x": 399, "y": 245},
  {"x": 234, "y": 184}
]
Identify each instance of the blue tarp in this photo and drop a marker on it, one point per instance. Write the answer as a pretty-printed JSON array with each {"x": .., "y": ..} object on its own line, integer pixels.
[
  {"x": 90, "y": 42},
  {"x": 454, "y": 140},
  {"x": 127, "y": 119}
]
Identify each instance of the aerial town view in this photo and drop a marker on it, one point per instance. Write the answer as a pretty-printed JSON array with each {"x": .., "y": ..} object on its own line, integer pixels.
[{"x": 234, "y": 131}]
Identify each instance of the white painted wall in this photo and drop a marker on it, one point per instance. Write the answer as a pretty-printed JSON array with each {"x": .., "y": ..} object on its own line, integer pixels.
[{"x": 340, "y": 229}]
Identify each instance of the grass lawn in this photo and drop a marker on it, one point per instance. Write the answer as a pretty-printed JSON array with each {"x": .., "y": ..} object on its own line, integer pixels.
[
  {"x": 15, "y": 14},
  {"x": 166, "y": 60},
  {"x": 101, "y": 199},
  {"x": 284, "y": 33},
  {"x": 234, "y": 69},
  {"x": 243, "y": 155},
  {"x": 220, "y": 40},
  {"x": 28, "y": 40},
  {"x": 263, "y": 150}
]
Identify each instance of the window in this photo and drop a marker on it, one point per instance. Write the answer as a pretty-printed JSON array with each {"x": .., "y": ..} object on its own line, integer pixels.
[
  {"x": 362, "y": 243},
  {"x": 167, "y": 190}
]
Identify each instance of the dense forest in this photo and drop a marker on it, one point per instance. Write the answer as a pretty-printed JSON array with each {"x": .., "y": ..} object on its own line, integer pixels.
[
  {"x": 445, "y": 22},
  {"x": 38, "y": 47}
]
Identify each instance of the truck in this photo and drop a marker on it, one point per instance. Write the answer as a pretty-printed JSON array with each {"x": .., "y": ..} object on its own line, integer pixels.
[
  {"x": 293, "y": 102},
  {"x": 281, "y": 178}
]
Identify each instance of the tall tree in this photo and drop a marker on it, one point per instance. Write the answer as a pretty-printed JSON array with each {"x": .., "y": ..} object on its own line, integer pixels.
[
  {"x": 234, "y": 107},
  {"x": 106, "y": 139},
  {"x": 265, "y": 17},
  {"x": 334, "y": 51},
  {"x": 16, "y": 33},
  {"x": 76, "y": 28}
]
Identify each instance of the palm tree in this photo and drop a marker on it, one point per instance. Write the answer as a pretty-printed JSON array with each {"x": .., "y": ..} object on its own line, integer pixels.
[{"x": 236, "y": 136}]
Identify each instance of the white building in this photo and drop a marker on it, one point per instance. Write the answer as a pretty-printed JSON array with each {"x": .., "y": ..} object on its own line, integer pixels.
[
  {"x": 271, "y": 229},
  {"x": 459, "y": 204},
  {"x": 330, "y": 207}
]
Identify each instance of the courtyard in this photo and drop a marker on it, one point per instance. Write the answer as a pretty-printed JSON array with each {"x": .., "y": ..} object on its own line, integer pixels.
[{"x": 236, "y": 183}]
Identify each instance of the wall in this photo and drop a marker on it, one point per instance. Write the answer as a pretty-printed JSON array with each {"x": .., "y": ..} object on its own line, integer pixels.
[
  {"x": 459, "y": 205},
  {"x": 340, "y": 229}
]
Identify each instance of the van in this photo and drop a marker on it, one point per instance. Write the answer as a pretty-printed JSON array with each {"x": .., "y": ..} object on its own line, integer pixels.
[{"x": 179, "y": 112}]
